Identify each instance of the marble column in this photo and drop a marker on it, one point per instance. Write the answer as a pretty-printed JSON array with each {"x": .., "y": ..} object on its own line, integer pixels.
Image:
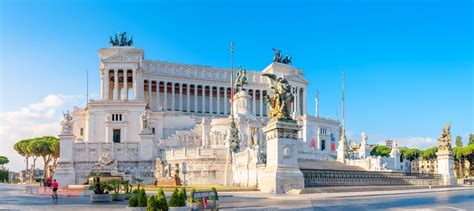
[
  {"x": 225, "y": 101},
  {"x": 203, "y": 99},
  {"x": 261, "y": 103},
  {"x": 150, "y": 98},
  {"x": 210, "y": 99},
  {"x": 218, "y": 100},
  {"x": 254, "y": 100},
  {"x": 305, "y": 106},
  {"x": 115, "y": 84},
  {"x": 165, "y": 97},
  {"x": 188, "y": 102},
  {"x": 134, "y": 84},
  {"x": 180, "y": 97},
  {"x": 106, "y": 85},
  {"x": 158, "y": 96},
  {"x": 173, "y": 95},
  {"x": 125, "y": 83},
  {"x": 195, "y": 98}
]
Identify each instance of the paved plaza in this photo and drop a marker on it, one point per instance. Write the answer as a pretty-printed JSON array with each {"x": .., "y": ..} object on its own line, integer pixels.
[{"x": 13, "y": 197}]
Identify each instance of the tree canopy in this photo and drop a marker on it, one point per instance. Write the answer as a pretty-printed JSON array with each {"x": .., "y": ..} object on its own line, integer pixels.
[
  {"x": 429, "y": 154},
  {"x": 471, "y": 139},
  {"x": 3, "y": 160},
  {"x": 410, "y": 154},
  {"x": 383, "y": 151},
  {"x": 458, "y": 141},
  {"x": 46, "y": 147}
]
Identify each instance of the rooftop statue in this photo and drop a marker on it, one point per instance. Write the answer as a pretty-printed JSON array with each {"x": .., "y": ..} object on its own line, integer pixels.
[
  {"x": 123, "y": 40},
  {"x": 444, "y": 142},
  {"x": 241, "y": 78},
  {"x": 279, "y": 58},
  {"x": 66, "y": 124},
  {"x": 280, "y": 98}
]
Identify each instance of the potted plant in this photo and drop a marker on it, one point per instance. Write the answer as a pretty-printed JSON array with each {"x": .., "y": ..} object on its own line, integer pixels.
[
  {"x": 142, "y": 200},
  {"x": 100, "y": 189},
  {"x": 116, "y": 196},
  {"x": 161, "y": 203},
  {"x": 133, "y": 204},
  {"x": 214, "y": 200},
  {"x": 127, "y": 189},
  {"x": 151, "y": 203},
  {"x": 175, "y": 203}
]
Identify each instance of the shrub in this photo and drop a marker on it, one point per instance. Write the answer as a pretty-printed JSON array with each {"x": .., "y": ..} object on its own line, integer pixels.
[
  {"x": 151, "y": 204},
  {"x": 136, "y": 191},
  {"x": 215, "y": 197},
  {"x": 175, "y": 198},
  {"x": 161, "y": 203},
  {"x": 142, "y": 200},
  {"x": 182, "y": 197},
  {"x": 133, "y": 202}
]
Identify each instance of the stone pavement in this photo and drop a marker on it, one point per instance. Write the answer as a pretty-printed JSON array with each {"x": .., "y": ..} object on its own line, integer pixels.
[{"x": 13, "y": 197}]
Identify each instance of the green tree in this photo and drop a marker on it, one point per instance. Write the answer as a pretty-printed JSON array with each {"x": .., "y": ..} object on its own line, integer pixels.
[
  {"x": 383, "y": 151},
  {"x": 410, "y": 154},
  {"x": 54, "y": 148},
  {"x": 36, "y": 148},
  {"x": 429, "y": 154},
  {"x": 21, "y": 147},
  {"x": 3, "y": 160},
  {"x": 471, "y": 139},
  {"x": 458, "y": 141}
]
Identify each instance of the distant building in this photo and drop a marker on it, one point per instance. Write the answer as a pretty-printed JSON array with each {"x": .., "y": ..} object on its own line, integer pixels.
[
  {"x": 424, "y": 166},
  {"x": 389, "y": 143}
]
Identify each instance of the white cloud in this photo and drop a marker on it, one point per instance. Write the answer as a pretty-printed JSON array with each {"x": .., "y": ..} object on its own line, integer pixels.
[
  {"x": 37, "y": 119},
  {"x": 417, "y": 142}
]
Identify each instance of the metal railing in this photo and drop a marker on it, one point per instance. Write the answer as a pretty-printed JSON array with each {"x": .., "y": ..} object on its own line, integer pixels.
[{"x": 343, "y": 178}]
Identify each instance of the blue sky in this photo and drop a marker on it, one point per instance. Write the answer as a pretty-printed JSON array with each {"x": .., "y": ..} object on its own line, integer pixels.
[{"x": 409, "y": 64}]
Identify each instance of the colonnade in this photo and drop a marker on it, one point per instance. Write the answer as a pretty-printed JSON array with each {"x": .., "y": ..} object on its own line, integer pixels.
[
  {"x": 196, "y": 98},
  {"x": 181, "y": 96}
]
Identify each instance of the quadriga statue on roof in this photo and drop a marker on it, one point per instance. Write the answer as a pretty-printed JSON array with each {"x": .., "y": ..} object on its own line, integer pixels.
[
  {"x": 123, "y": 40},
  {"x": 280, "y": 98},
  {"x": 279, "y": 58}
]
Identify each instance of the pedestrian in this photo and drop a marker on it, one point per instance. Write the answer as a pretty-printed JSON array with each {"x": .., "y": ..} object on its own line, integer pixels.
[{"x": 55, "y": 186}]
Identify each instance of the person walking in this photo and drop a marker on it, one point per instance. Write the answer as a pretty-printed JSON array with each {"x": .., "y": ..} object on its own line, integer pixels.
[{"x": 55, "y": 187}]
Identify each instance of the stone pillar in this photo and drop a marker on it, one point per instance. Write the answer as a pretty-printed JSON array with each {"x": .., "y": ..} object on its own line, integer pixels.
[
  {"x": 225, "y": 101},
  {"x": 173, "y": 96},
  {"x": 165, "y": 99},
  {"x": 180, "y": 108},
  {"x": 188, "y": 98},
  {"x": 150, "y": 98},
  {"x": 195, "y": 98},
  {"x": 134, "y": 84},
  {"x": 281, "y": 173},
  {"x": 210, "y": 99},
  {"x": 242, "y": 103},
  {"x": 261, "y": 103},
  {"x": 125, "y": 83},
  {"x": 65, "y": 174},
  {"x": 203, "y": 99},
  {"x": 115, "y": 84},
  {"x": 106, "y": 85},
  {"x": 446, "y": 167},
  {"x": 254, "y": 104},
  {"x": 146, "y": 146},
  {"x": 305, "y": 106},
  {"x": 218, "y": 100},
  {"x": 158, "y": 96}
]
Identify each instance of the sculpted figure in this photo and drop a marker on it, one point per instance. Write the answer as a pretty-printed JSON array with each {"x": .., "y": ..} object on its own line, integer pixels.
[
  {"x": 122, "y": 41},
  {"x": 444, "y": 142},
  {"x": 280, "y": 98},
  {"x": 279, "y": 58},
  {"x": 145, "y": 120},
  {"x": 241, "y": 78},
  {"x": 66, "y": 124}
]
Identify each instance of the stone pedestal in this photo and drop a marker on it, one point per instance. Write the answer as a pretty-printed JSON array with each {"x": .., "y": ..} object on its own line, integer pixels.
[
  {"x": 65, "y": 174},
  {"x": 281, "y": 173},
  {"x": 446, "y": 167},
  {"x": 146, "y": 146},
  {"x": 242, "y": 103}
]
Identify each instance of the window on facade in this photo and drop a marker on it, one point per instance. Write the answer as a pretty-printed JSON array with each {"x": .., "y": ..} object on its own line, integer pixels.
[
  {"x": 116, "y": 135},
  {"x": 153, "y": 131},
  {"x": 323, "y": 145},
  {"x": 323, "y": 131},
  {"x": 82, "y": 131},
  {"x": 116, "y": 117}
]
